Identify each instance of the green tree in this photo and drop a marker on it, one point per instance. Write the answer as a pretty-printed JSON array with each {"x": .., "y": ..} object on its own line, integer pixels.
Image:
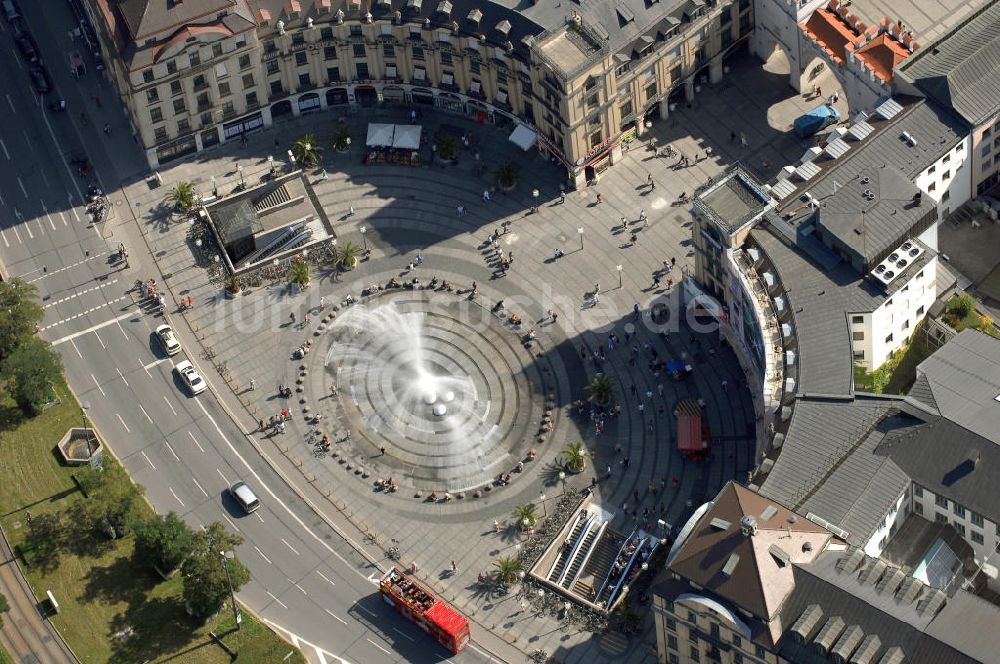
[
  {"x": 30, "y": 371},
  {"x": 508, "y": 569},
  {"x": 627, "y": 617},
  {"x": 507, "y": 175},
  {"x": 347, "y": 254},
  {"x": 342, "y": 140},
  {"x": 181, "y": 196},
  {"x": 114, "y": 501},
  {"x": 164, "y": 542},
  {"x": 19, "y": 314},
  {"x": 526, "y": 514},
  {"x": 205, "y": 585},
  {"x": 298, "y": 273},
  {"x": 4, "y": 608},
  {"x": 599, "y": 389},
  {"x": 306, "y": 150},
  {"x": 962, "y": 306},
  {"x": 447, "y": 146},
  {"x": 576, "y": 456}
]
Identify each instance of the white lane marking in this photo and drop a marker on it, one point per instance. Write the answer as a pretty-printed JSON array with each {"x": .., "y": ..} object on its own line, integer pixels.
[
  {"x": 47, "y": 184},
  {"x": 4, "y": 146},
  {"x": 170, "y": 405},
  {"x": 369, "y": 612},
  {"x": 297, "y": 641},
  {"x": 100, "y": 340},
  {"x": 175, "y": 496},
  {"x": 297, "y": 586},
  {"x": 127, "y": 430},
  {"x": 325, "y": 579},
  {"x": 63, "y": 217},
  {"x": 12, "y": 109},
  {"x": 147, "y": 460},
  {"x": 79, "y": 293},
  {"x": 17, "y": 235},
  {"x": 93, "y": 328},
  {"x": 176, "y": 458},
  {"x": 290, "y": 546},
  {"x": 123, "y": 378},
  {"x": 197, "y": 443},
  {"x": 143, "y": 409},
  {"x": 90, "y": 311},
  {"x": 403, "y": 634},
  {"x": 199, "y": 487},
  {"x": 266, "y": 559},
  {"x": 145, "y": 369},
  {"x": 23, "y": 190},
  {"x": 276, "y": 599},
  {"x": 378, "y": 646},
  {"x": 228, "y": 483},
  {"x": 2, "y": 235},
  {"x": 66, "y": 267},
  {"x": 44, "y": 208},
  {"x": 98, "y": 385},
  {"x": 335, "y": 616},
  {"x": 118, "y": 321},
  {"x": 153, "y": 364},
  {"x": 235, "y": 527},
  {"x": 73, "y": 343},
  {"x": 259, "y": 517}
]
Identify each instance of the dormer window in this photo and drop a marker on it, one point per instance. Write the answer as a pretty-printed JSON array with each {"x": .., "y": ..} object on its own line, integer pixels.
[
  {"x": 503, "y": 27},
  {"x": 444, "y": 7},
  {"x": 475, "y": 16}
]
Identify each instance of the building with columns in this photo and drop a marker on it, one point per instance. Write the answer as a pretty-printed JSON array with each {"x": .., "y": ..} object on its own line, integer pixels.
[{"x": 583, "y": 78}]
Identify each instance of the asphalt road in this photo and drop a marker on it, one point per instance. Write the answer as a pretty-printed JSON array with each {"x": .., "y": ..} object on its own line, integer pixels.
[{"x": 184, "y": 450}]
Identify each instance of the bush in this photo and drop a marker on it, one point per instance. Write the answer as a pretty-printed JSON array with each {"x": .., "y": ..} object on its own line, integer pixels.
[
  {"x": 30, "y": 371},
  {"x": 962, "y": 306}
]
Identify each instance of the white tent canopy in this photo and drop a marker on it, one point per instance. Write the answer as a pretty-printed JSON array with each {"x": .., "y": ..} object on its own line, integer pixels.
[
  {"x": 523, "y": 137},
  {"x": 380, "y": 135},
  {"x": 407, "y": 137}
]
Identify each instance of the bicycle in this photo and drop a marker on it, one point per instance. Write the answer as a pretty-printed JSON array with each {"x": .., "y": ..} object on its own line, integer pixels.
[{"x": 393, "y": 554}]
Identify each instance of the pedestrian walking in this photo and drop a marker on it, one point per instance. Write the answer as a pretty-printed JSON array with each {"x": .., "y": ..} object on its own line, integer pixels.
[
  {"x": 708, "y": 152},
  {"x": 253, "y": 384},
  {"x": 649, "y": 179},
  {"x": 505, "y": 226},
  {"x": 324, "y": 176},
  {"x": 460, "y": 209},
  {"x": 732, "y": 136},
  {"x": 642, "y": 215},
  {"x": 486, "y": 195},
  {"x": 656, "y": 281},
  {"x": 836, "y": 97},
  {"x": 600, "y": 199},
  {"x": 107, "y": 129},
  {"x": 725, "y": 385},
  {"x": 454, "y": 567},
  {"x": 608, "y": 476},
  {"x": 624, "y": 223},
  {"x": 350, "y": 211},
  {"x": 562, "y": 198},
  {"x": 322, "y": 302},
  {"x": 190, "y": 302},
  {"x": 819, "y": 91},
  {"x": 743, "y": 139},
  {"x": 381, "y": 451},
  {"x": 496, "y": 526},
  {"x": 291, "y": 317}
]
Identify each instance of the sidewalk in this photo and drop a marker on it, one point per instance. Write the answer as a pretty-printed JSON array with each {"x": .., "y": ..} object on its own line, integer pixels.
[{"x": 26, "y": 634}]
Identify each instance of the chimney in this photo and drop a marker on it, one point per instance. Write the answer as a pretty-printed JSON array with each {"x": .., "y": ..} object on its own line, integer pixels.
[{"x": 748, "y": 526}]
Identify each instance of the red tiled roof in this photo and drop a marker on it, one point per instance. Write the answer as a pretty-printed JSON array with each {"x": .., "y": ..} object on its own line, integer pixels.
[
  {"x": 829, "y": 30},
  {"x": 882, "y": 54}
]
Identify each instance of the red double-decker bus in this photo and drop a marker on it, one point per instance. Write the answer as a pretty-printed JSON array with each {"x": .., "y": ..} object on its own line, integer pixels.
[{"x": 419, "y": 606}]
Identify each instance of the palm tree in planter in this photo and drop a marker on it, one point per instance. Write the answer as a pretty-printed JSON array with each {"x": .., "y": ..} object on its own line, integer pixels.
[
  {"x": 342, "y": 140},
  {"x": 508, "y": 569},
  {"x": 576, "y": 457},
  {"x": 182, "y": 196},
  {"x": 599, "y": 390},
  {"x": 526, "y": 515},
  {"x": 233, "y": 285},
  {"x": 627, "y": 617},
  {"x": 349, "y": 255},
  {"x": 447, "y": 147},
  {"x": 507, "y": 176},
  {"x": 298, "y": 273},
  {"x": 306, "y": 150}
]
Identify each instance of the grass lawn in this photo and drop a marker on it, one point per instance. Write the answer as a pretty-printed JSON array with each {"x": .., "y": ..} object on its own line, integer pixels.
[
  {"x": 101, "y": 590},
  {"x": 5, "y": 658},
  {"x": 973, "y": 320},
  {"x": 896, "y": 376}
]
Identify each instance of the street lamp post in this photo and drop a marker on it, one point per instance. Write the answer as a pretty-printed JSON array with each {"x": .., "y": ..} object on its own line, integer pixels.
[
  {"x": 84, "y": 407},
  {"x": 226, "y": 557},
  {"x": 534, "y": 197},
  {"x": 619, "y": 268},
  {"x": 580, "y": 233},
  {"x": 270, "y": 165},
  {"x": 364, "y": 237},
  {"x": 215, "y": 188},
  {"x": 545, "y": 511},
  {"x": 562, "y": 478},
  {"x": 239, "y": 169}
]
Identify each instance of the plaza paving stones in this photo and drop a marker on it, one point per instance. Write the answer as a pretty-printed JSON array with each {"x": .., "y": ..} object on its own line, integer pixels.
[{"x": 406, "y": 210}]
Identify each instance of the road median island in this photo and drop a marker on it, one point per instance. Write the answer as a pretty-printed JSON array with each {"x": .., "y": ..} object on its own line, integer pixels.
[{"x": 112, "y": 607}]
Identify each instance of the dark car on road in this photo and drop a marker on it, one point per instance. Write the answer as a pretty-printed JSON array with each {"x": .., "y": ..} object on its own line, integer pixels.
[
  {"x": 27, "y": 47},
  {"x": 40, "y": 80}
]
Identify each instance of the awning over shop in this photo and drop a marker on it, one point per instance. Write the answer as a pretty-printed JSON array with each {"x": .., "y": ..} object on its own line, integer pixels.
[
  {"x": 523, "y": 137},
  {"x": 379, "y": 135},
  {"x": 407, "y": 137}
]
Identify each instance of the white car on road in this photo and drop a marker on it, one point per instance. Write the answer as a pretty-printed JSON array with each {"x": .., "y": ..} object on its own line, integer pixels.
[
  {"x": 191, "y": 378},
  {"x": 171, "y": 346}
]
